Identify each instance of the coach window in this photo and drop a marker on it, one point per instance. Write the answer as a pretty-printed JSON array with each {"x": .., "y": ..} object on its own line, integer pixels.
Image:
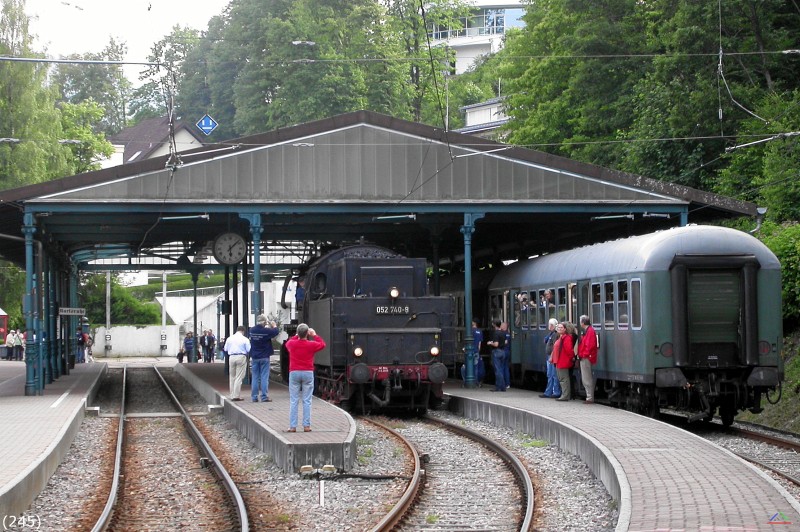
[
  {"x": 494, "y": 308},
  {"x": 608, "y": 292},
  {"x": 636, "y": 303},
  {"x": 562, "y": 304},
  {"x": 523, "y": 306},
  {"x": 597, "y": 308},
  {"x": 622, "y": 303},
  {"x": 543, "y": 310}
]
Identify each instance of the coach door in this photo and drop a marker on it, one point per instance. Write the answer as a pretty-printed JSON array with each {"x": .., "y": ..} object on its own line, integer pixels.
[
  {"x": 521, "y": 324},
  {"x": 578, "y": 294}
]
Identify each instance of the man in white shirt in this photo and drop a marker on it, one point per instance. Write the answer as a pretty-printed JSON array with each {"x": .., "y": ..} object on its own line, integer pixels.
[{"x": 237, "y": 347}]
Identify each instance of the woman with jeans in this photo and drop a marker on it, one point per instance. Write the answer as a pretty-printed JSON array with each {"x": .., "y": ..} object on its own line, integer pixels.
[{"x": 301, "y": 373}]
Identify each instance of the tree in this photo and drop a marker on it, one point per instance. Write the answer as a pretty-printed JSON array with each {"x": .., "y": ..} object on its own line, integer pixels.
[
  {"x": 12, "y": 286},
  {"x": 125, "y": 309},
  {"x": 86, "y": 146},
  {"x": 156, "y": 96},
  {"x": 104, "y": 84},
  {"x": 27, "y": 105}
]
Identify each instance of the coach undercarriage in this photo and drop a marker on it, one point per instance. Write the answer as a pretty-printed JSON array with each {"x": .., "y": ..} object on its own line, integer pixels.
[{"x": 700, "y": 395}]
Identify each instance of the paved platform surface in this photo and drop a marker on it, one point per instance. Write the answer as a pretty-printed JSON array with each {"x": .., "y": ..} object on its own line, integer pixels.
[
  {"x": 331, "y": 440},
  {"x": 667, "y": 479},
  {"x": 36, "y": 431}
]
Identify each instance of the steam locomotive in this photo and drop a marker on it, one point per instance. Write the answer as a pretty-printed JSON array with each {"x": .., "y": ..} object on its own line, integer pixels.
[{"x": 390, "y": 345}]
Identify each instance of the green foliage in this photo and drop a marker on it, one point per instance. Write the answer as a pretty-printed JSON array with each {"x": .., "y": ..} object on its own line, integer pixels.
[
  {"x": 104, "y": 84},
  {"x": 78, "y": 122},
  {"x": 12, "y": 288},
  {"x": 174, "y": 282},
  {"x": 784, "y": 241},
  {"x": 125, "y": 309},
  {"x": 27, "y": 108}
]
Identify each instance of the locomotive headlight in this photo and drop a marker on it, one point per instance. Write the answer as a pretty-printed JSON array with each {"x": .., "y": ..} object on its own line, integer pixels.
[
  {"x": 394, "y": 293},
  {"x": 435, "y": 351},
  {"x": 357, "y": 352}
]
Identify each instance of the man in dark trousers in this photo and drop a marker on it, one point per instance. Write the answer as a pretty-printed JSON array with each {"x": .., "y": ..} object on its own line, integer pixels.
[
  {"x": 208, "y": 341},
  {"x": 498, "y": 343},
  {"x": 260, "y": 352}
]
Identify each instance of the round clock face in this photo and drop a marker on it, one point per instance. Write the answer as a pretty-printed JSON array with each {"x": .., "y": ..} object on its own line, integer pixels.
[{"x": 229, "y": 248}]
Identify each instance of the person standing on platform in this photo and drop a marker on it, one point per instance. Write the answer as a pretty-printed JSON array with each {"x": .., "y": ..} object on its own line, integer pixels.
[
  {"x": 507, "y": 349},
  {"x": 587, "y": 353},
  {"x": 11, "y": 342},
  {"x": 80, "y": 349},
  {"x": 189, "y": 346},
  {"x": 301, "y": 349},
  {"x": 563, "y": 357},
  {"x": 207, "y": 342},
  {"x": 498, "y": 343},
  {"x": 260, "y": 352},
  {"x": 237, "y": 347},
  {"x": 553, "y": 389}
]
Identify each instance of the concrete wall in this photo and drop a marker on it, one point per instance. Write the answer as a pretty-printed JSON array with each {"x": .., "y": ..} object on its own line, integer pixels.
[{"x": 136, "y": 341}]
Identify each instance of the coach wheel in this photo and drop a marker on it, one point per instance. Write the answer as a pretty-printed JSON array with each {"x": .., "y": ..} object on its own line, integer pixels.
[{"x": 727, "y": 412}]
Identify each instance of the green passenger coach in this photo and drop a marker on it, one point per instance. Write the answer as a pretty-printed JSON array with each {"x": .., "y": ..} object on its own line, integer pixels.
[{"x": 687, "y": 318}]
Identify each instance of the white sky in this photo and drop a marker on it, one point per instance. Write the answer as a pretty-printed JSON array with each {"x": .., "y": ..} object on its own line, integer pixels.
[{"x": 79, "y": 26}]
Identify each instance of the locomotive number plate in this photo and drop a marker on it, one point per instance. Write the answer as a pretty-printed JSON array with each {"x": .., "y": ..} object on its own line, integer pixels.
[{"x": 392, "y": 309}]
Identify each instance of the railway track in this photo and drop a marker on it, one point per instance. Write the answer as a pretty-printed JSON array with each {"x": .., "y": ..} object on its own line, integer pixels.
[
  {"x": 448, "y": 459},
  {"x": 166, "y": 476}
]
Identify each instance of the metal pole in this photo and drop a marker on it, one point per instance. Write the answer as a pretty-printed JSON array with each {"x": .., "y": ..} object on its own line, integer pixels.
[
  {"x": 28, "y": 229},
  {"x": 467, "y": 230}
]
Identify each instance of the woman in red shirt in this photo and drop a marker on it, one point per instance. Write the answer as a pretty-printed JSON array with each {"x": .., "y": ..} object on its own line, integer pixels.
[{"x": 563, "y": 353}]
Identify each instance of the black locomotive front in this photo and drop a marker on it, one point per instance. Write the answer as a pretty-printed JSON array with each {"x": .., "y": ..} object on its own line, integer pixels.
[{"x": 390, "y": 345}]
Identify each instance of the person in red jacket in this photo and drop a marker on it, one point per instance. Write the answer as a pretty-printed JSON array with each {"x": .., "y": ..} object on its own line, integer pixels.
[
  {"x": 587, "y": 353},
  {"x": 563, "y": 353},
  {"x": 301, "y": 373}
]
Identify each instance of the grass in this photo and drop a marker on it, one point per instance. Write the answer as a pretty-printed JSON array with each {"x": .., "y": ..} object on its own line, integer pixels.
[
  {"x": 432, "y": 519},
  {"x": 528, "y": 443},
  {"x": 785, "y": 415}
]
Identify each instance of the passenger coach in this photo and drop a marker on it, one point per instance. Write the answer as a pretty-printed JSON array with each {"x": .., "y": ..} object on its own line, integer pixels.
[{"x": 687, "y": 318}]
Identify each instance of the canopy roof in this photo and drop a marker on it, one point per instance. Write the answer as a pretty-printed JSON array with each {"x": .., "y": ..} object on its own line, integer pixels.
[{"x": 358, "y": 175}]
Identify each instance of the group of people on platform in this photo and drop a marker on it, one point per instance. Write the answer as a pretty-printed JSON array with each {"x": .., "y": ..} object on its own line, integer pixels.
[
  {"x": 15, "y": 345},
  {"x": 565, "y": 350},
  {"x": 83, "y": 346},
  {"x": 258, "y": 346},
  {"x": 192, "y": 348}
]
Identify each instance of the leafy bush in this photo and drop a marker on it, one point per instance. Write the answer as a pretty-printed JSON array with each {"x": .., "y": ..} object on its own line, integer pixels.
[{"x": 784, "y": 241}]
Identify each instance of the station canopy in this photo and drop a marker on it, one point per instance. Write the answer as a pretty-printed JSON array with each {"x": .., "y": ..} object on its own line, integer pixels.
[{"x": 360, "y": 176}]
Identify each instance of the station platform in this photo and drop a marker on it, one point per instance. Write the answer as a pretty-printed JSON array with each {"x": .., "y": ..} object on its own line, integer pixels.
[
  {"x": 662, "y": 477},
  {"x": 332, "y": 439},
  {"x": 36, "y": 431}
]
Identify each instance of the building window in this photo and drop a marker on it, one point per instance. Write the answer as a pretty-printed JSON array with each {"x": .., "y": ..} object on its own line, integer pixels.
[{"x": 480, "y": 22}]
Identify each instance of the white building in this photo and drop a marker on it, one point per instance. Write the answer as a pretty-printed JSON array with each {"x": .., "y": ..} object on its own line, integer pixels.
[{"x": 482, "y": 32}]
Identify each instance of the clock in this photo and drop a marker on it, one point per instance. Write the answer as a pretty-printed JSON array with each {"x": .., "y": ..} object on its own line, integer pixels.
[{"x": 229, "y": 248}]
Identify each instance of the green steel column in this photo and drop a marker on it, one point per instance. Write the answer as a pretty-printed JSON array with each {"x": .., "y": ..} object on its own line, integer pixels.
[
  {"x": 73, "y": 321},
  {"x": 255, "y": 230},
  {"x": 31, "y": 354},
  {"x": 43, "y": 337},
  {"x": 467, "y": 230},
  {"x": 52, "y": 349}
]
